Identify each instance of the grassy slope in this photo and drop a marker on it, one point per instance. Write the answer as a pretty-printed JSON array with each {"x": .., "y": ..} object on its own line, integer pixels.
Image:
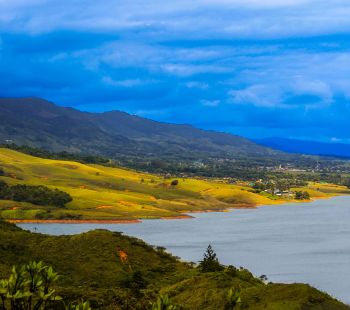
[
  {"x": 113, "y": 193},
  {"x": 90, "y": 268}
]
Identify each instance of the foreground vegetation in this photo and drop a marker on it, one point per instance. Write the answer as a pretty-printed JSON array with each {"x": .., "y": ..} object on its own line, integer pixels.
[
  {"x": 112, "y": 271},
  {"x": 96, "y": 192}
]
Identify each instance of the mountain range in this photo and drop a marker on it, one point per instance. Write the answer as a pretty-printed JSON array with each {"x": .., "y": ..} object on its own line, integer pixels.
[{"x": 39, "y": 123}]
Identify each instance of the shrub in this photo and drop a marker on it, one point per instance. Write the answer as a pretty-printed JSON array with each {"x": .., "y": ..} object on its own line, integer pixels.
[
  {"x": 163, "y": 303},
  {"x": 136, "y": 282},
  {"x": 302, "y": 195},
  {"x": 231, "y": 270}
]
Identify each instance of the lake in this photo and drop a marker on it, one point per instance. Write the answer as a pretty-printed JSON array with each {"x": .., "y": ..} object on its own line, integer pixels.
[{"x": 299, "y": 242}]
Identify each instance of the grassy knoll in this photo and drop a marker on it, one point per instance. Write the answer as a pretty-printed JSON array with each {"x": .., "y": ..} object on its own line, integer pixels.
[
  {"x": 105, "y": 193},
  {"x": 91, "y": 269}
]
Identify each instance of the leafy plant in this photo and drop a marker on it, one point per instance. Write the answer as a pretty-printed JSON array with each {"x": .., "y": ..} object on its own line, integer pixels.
[
  {"x": 81, "y": 306},
  {"x": 233, "y": 298},
  {"x": 163, "y": 303},
  {"x": 29, "y": 287}
]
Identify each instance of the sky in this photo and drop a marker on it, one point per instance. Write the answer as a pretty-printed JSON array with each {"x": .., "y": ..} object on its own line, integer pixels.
[{"x": 272, "y": 68}]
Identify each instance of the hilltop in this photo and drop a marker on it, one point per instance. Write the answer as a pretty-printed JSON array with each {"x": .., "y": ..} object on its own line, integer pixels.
[
  {"x": 90, "y": 268},
  {"x": 40, "y": 123}
]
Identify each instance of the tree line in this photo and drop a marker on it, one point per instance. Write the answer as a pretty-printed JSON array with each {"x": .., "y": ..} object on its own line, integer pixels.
[
  {"x": 38, "y": 195},
  {"x": 82, "y": 158}
]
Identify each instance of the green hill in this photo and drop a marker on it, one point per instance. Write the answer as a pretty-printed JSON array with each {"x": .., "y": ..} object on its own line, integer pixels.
[
  {"x": 107, "y": 193},
  {"x": 90, "y": 268}
]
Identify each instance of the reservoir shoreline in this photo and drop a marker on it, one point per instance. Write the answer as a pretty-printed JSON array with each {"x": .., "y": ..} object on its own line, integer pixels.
[{"x": 182, "y": 214}]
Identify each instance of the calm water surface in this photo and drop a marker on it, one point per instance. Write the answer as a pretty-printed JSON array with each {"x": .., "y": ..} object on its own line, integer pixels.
[{"x": 308, "y": 242}]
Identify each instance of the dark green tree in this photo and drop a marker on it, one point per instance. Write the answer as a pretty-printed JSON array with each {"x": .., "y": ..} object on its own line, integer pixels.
[
  {"x": 210, "y": 262},
  {"x": 298, "y": 195},
  {"x": 38, "y": 195},
  {"x": 306, "y": 195},
  {"x": 302, "y": 195},
  {"x": 4, "y": 190}
]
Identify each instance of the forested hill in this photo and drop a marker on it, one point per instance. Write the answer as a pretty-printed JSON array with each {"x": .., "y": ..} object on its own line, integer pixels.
[{"x": 39, "y": 123}]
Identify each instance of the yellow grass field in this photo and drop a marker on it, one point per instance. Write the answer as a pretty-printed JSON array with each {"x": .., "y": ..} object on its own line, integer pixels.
[{"x": 104, "y": 193}]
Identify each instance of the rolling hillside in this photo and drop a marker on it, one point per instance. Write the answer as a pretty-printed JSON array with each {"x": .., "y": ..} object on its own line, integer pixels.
[
  {"x": 105, "y": 193},
  {"x": 90, "y": 269},
  {"x": 101, "y": 192},
  {"x": 39, "y": 123}
]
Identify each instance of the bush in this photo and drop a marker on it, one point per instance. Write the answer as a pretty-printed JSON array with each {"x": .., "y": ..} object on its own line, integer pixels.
[
  {"x": 299, "y": 195},
  {"x": 136, "y": 282}
]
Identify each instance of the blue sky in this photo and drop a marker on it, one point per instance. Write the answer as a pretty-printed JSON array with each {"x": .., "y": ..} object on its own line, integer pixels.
[{"x": 250, "y": 67}]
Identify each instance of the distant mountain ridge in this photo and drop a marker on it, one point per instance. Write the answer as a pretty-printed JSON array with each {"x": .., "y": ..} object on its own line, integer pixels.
[
  {"x": 40, "y": 123},
  {"x": 341, "y": 150}
]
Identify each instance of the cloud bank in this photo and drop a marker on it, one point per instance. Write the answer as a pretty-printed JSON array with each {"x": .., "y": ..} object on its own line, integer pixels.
[{"x": 255, "y": 68}]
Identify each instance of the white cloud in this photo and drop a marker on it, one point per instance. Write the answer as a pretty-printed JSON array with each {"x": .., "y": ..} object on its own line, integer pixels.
[
  {"x": 210, "y": 103},
  {"x": 125, "y": 83},
  {"x": 180, "y": 18},
  {"x": 313, "y": 87},
  {"x": 189, "y": 70},
  {"x": 259, "y": 95},
  {"x": 195, "y": 84}
]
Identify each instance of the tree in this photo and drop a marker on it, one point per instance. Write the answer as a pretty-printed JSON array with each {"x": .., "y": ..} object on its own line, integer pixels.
[
  {"x": 259, "y": 186},
  {"x": 38, "y": 195},
  {"x": 302, "y": 195},
  {"x": 4, "y": 190},
  {"x": 174, "y": 183},
  {"x": 283, "y": 185},
  {"x": 136, "y": 282},
  {"x": 346, "y": 182},
  {"x": 306, "y": 195},
  {"x": 210, "y": 262},
  {"x": 271, "y": 185},
  {"x": 298, "y": 195}
]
